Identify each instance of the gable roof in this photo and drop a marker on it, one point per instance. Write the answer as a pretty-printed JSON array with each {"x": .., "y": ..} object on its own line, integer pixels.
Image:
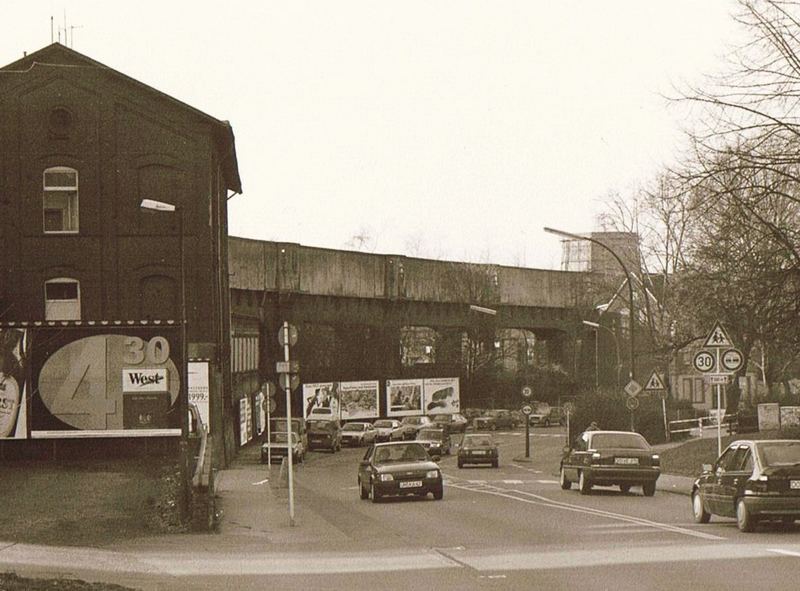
[{"x": 61, "y": 55}]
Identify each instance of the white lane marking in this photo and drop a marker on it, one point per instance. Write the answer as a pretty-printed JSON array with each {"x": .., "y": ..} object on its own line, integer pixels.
[
  {"x": 784, "y": 552},
  {"x": 547, "y": 481},
  {"x": 512, "y": 481},
  {"x": 546, "y": 502},
  {"x": 527, "y": 469},
  {"x": 476, "y": 481},
  {"x": 261, "y": 482}
]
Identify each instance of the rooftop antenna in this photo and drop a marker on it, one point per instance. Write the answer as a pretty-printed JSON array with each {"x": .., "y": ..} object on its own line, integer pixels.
[
  {"x": 72, "y": 34},
  {"x": 51, "y": 29}
]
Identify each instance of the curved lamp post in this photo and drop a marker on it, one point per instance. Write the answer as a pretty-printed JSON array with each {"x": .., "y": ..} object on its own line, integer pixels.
[{"x": 627, "y": 276}]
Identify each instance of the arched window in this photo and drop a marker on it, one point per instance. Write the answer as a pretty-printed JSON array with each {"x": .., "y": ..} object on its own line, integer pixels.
[
  {"x": 62, "y": 299},
  {"x": 60, "y": 200}
]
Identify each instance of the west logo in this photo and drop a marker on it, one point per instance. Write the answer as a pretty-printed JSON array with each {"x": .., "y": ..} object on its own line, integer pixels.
[{"x": 144, "y": 380}]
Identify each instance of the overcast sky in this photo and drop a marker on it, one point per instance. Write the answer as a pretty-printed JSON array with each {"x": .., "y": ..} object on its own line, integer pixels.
[{"x": 445, "y": 129}]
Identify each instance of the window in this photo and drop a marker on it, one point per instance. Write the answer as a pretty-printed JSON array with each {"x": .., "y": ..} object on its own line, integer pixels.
[
  {"x": 60, "y": 200},
  {"x": 62, "y": 299}
]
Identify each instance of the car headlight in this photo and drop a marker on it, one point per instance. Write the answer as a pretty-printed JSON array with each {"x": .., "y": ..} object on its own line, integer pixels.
[
  {"x": 385, "y": 477},
  {"x": 432, "y": 474}
]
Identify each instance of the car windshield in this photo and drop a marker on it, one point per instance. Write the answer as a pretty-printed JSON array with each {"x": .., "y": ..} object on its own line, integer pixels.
[
  {"x": 431, "y": 434},
  {"x": 381, "y": 424},
  {"x": 280, "y": 437},
  {"x": 412, "y": 420},
  {"x": 619, "y": 441},
  {"x": 409, "y": 452},
  {"x": 477, "y": 441},
  {"x": 353, "y": 427},
  {"x": 784, "y": 453}
]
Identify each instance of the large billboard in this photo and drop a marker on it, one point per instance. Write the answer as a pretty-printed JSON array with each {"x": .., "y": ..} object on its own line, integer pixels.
[
  {"x": 404, "y": 398},
  {"x": 321, "y": 400},
  {"x": 359, "y": 400},
  {"x": 441, "y": 395},
  {"x": 105, "y": 381},
  {"x": 13, "y": 384}
]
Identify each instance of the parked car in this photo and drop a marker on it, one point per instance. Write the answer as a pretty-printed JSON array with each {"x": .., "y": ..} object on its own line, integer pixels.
[
  {"x": 277, "y": 448},
  {"x": 358, "y": 433},
  {"x": 435, "y": 441},
  {"x": 752, "y": 481},
  {"x": 478, "y": 448},
  {"x": 298, "y": 426},
  {"x": 324, "y": 434},
  {"x": 556, "y": 416},
  {"x": 540, "y": 415},
  {"x": 409, "y": 426},
  {"x": 484, "y": 423},
  {"x": 452, "y": 423},
  {"x": 387, "y": 430},
  {"x": 503, "y": 419},
  {"x": 608, "y": 458},
  {"x": 397, "y": 469}
]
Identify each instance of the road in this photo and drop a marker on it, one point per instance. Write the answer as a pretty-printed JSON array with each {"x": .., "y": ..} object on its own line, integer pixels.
[{"x": 514, "y": 528}]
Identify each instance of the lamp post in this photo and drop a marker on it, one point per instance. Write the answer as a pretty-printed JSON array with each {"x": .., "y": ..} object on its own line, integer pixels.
[
  {"x": 183, "y": 394},
  {"x": 596, "y": 326},
  {"x": 627, "y": 276}
]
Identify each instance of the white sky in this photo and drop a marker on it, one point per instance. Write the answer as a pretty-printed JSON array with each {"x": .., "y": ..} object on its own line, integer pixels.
[{"x": 449, "y": 129}]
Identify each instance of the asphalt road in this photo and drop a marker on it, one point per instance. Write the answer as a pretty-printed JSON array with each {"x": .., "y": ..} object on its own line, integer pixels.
[{"x": 514, "y": 528}]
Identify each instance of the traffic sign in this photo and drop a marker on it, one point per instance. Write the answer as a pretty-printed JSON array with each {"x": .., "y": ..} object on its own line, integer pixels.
[
  {"x": 704, "y": 361},
  {"x": 269, "y": 405},
  {"x": 655, "y": 383},
  {"x": 287, "y": 366},
  {"x": 633, "y": 388},
  {"x": 288, "y": 381},
  {"x": 292, "y": 336},
  {"x": 632, "y": 403},
  {"x": 716, "y": 378},
  {"x": 568, "y": 407},
  {"x": 527, "y": 391},
  {"x": 268, "y": 389},
  {"x": 718, "y": 337},
  {"x": 527, "y": 409},
  {"x": 732, "y": 360}
]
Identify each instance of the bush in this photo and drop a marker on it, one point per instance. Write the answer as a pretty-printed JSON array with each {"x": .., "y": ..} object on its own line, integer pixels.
[{"x": 608, "y": 410}]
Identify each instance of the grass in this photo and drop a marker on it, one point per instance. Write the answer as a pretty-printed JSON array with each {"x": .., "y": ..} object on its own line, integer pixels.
[
  {"x": 12, "y": 582},
  {"x": 688, "y": 459}
]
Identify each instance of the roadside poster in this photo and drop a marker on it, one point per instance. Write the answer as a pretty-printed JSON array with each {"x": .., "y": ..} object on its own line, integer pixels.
[
  {"x": 769, "y": 416},
  {"x": 107, "y": 381},
  {"x": 13, "y": 384},
  {"x": 441, "y": 395},
  {"x": 790, "y": 416},
  {"x": 321, "y": 400},
  {"x": 243, "y": 421},
  {"x": 359, "y": 400},
  {"x": 199, "y": 389},
  {"x": 261, "y": 413},
  {"x": 404, "y": 398}
]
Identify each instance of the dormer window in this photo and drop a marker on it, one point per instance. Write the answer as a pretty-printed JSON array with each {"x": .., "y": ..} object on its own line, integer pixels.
[{"x": 60, "y": 200}]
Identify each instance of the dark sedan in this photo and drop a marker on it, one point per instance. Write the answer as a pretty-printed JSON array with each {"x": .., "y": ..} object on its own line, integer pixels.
[
  {"x": 398, "y": 469},
  {"x": 478, "y": 448},
  {"x": 609, "y": 458},
  {"x": 752, "y": 481},
  {"x": 435, "y": 441}
]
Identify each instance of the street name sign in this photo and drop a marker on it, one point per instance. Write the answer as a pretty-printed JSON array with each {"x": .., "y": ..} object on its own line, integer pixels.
[
  {"x": 287, "y": 366},
  {"x": 716, "y": 378}
]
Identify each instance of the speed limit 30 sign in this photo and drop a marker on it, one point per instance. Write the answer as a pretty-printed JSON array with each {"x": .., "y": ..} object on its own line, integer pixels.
[{"x": 704, "y": 361}]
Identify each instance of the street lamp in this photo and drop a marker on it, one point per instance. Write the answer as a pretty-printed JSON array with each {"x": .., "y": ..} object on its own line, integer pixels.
[
  {"x": 596, "y": 326},
  {"x": 183, "y": 394},
  {"x": 627, "y": 275}
]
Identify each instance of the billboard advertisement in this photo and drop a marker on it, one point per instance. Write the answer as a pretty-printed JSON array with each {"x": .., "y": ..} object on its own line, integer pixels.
[
  {"x": 13, "y": 384},
  {"x": 199, "y": 391},
  {"x": 107, "y": 381},
  {"x": 321, "y": 400},
  {"x": 404, "y": 398},
  {"x": 359, "y": 400},
  {"x": 441, "y": 395}
]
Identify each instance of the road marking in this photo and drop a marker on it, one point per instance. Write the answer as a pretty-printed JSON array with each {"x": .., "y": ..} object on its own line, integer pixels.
[
  {"x": 513, "y": 481},
  {"x": 261, "y": 482},
  {"x": 547, "y": 481},
  {"x": 526, "y": 469},
  {"x": 784, "y": 552}
]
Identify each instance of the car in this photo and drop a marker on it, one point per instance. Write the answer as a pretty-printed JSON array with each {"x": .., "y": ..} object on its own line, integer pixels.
[
  {"x": 752, "y": 481},
  {"x": 298, "y": 426},
  {"x": 358, "y": 433},
  {"x": 324, "y": 434},
  {"x": 540, "y": 415},
  {"x": 409, "y": 426},
  {"x": 610, "y": 458},
  {"x": 452, "y": 423},
  {"x": 387, "y": 430},
  {"x": 435, "y": 441},
  {"x": 484, "y": 423},
  {"x": 503, "y": 419},
  {"x": 277, "y": 448},
  {"x": 398, "y": 469},
  {"x": 478, "y": 448}
]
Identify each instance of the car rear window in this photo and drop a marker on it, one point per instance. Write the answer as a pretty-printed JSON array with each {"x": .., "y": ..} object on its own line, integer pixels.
[
  {"x": 619, "y": 441},
  {"x": 383, "y": 423},
  {"x": 477, "y": 442},
  {"x": 785, "y": 453},
  {"x": 353, "y": 427}
]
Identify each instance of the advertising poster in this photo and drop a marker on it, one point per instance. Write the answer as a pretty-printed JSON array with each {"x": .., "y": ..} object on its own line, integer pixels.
[
  {"x": 106, "y": 381},
  {"x": 769, "y": 417},
  {"x": 321, "y": 400},
  {"x": 13, "y": 386},
  {"x": 441, "y": 395},
  {"x": 261, "y": 413},
  {"x": 243, "y": 421},
  {"x": 199, "y": 389},
  {"x": 359, "y": 400},
  {"x": 790, "y": 416},
  {"x": 404, "y": 398}
]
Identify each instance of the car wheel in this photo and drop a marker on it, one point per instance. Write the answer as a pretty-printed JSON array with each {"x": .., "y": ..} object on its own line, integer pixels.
[
  {"x": 438, "y": 494},
  {"x": 744, "y": 519},
  {"x": 699, "y": 509},
  {"x": 624, "y": 488},
  {"x": 584, "y": 484},
  {"x": 547, "y": 422},
  {"x": 374, "y": 494},
  {"x": 564, "y": 481},
  {"x": 363, "y": 490},
  {"x": 460, "y": 464},
  {"x": 649, "y": 488}
]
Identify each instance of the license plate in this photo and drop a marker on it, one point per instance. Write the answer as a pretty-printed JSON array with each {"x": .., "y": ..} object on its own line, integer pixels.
[
  {"x": 411, "y": 484},
  {"x": 626, "y": 460},
  {"x": 479, "y": 453},
  {"x": 794, "y": 484}
]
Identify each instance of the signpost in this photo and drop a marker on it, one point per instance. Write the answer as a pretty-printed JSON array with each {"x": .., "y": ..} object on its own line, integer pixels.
[
  {"x": 268, "y": 390},
  {"x": 568, "y": 409},
  {"x": 527, "y": 409},
  {"x": 656, "y": 384},
  {"x": 287, "y": 336},
  {"x": 632, "y": 389}
]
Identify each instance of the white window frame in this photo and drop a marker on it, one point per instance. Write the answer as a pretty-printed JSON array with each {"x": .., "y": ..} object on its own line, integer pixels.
[
  {"x": 73, "y": 201},
  {"x": 55, "y": 306}
]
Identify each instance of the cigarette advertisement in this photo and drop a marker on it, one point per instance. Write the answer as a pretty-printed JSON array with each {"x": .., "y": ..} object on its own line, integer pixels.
[
  {"x": 321, "y": 401},
  {"x": 404, "y": 398},
  {"x": 441, "y": 395},
  {"x": 359, "y": 400},
  {"x": 13, "y": 386},
  {"x": 199, "y": 389}
]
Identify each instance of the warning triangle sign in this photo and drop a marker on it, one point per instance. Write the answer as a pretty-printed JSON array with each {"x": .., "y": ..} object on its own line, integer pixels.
[
  {"x": 655, "y": 383},
  {"x": 718, "y": 337}
]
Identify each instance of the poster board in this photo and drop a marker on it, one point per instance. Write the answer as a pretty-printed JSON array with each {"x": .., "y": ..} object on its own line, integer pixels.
[
  {"x": 441, "y": 395},
  {"x": 404, "y": 398},
  {"x": 790, "y": 416},
  {"x": 769, "y": 417},
  {"x": 199, "y": 390},
  {"x": 321, "y": 399},
  {"x": 13, "y": 384},
  {"x": 359, "y": 400}
]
